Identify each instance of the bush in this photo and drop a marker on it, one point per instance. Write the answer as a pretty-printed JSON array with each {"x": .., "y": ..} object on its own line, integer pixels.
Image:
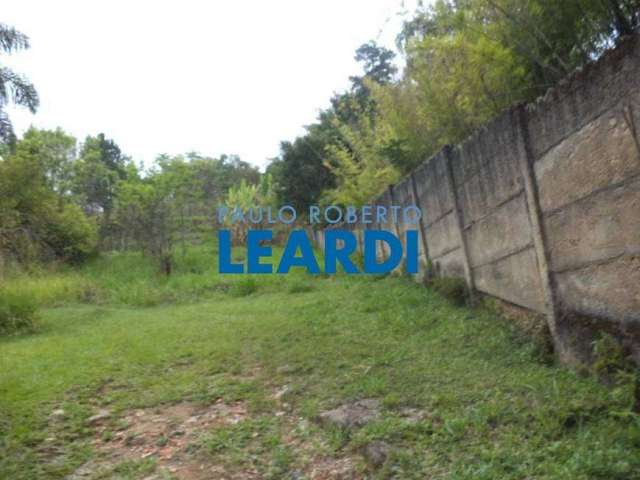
[
  {"x": 18, "y": 312},
  {"x": 71, "y": 235},
  {"x": 244, "y": 287},
  {"x": 609, "y": 356},
  {"x": 454, "y": 289}
]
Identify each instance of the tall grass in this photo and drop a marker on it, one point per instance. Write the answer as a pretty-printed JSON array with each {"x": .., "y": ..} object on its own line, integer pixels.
[
  {"x": 47, "y": 288},
  {"x": 133, "y": 279},
  {"x": 17, "y": 312}
]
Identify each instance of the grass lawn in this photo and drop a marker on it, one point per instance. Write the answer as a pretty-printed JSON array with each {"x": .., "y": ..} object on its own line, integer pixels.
[{"x": 274, "y": 352}]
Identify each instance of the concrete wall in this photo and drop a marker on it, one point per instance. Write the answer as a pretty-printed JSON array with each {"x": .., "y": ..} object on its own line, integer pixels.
[{"x": 541, "y": 208}]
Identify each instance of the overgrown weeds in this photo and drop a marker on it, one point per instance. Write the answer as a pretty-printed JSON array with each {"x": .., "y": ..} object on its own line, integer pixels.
[
  {"x": 244, "y": 287},
  {"x": 18, "y": 312},
  {"x": 454, "y": 289}
]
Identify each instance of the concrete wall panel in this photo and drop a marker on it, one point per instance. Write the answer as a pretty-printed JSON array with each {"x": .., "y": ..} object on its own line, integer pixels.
[
  {"x": 442, "y": 236},
  {"x": 514, "y": 279},
  {"x": 604, "y": 226},
  {"x": 609, "y": 290},
  {"x": 502, "y": 232},
  {"x": 600, "y": 154}
]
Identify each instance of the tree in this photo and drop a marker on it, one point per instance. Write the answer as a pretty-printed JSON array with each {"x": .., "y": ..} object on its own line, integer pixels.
[
  {"x": 468, "y": 60},
  {"x": 359, "y": 162},
  {"x": 144, "y": 211},
  {"x": 299, "y": 173},
  {"x": 14, "y": 88},
  {"x": 100, "y": 167},
  {"x": 56, "y": 154},
  {"x": 242, "y": 197},
  {"x": 38, "y": 222},
  {"x": 378, "y": 70},
  {"x": 307, "y": 166}
]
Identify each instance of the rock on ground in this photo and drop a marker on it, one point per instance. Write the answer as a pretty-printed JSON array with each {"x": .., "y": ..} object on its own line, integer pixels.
[
  {"x": 376, "y": 453},
  {"x": 351, "y": 415}
]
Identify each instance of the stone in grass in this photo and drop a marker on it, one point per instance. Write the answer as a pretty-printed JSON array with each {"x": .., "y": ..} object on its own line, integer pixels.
[
  {"x": 99, "y": 417},
  {"x": 57, "y": 415},
  {"x": 376, "y": 453},
  {"x": 351, "y": 415},
  {"x": 282, "y": 392},
  {"x": 286, "y": 369}
]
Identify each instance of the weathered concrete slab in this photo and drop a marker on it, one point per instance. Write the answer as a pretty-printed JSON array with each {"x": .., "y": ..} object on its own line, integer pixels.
[
  {"x": 583, "y": 96},
  {"x": 450, "y": 264},
  {"x": 608, "y": 291},
  {"x": 402, "y": 192},
  {"x": 514, "y": 278},
  {"x": 600, "y": 154},
  {"x": 601, "y": 227},
  {"x": 486, "y": 168},
  {"x": 442, "y": 236},
  {"x": 434, "y": 197},
  {"x": 505, "y": 230}
]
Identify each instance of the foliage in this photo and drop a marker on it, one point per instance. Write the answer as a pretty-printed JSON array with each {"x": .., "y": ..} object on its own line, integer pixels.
[
  {"x": 55, "y": 151},
  {"x": 38, "y": 220},
  {"x": 18, "y": 311},
  {"x": 58, "y": 203},
  {"x": 71, "y": 235},
  {"x": 454, "y": 289},
  {"x": 609, "y": 357},
  {"x": 359, "y": 163},
  {"x": 207, "y": 179},
  {"x": 245, "y": 198},
  {"x": 100, "y": 167},
  {"x": 145, "y": 210},
  {"x": 174, "y": 201},
  {"x": 14, "y": 88},
  {"x": 315, "y": 163},
  {"x": 466, "y": 61},
  {"x": 300, "y": 174}
]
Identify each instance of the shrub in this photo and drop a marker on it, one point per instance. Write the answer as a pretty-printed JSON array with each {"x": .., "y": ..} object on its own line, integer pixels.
[
  {"x": 51, "y": 289},
  {"x": 454, "y": 289},
  {"x": 71, "y": 235},
  {"x": 609, "y": 356},
  {"x": 244, "y": 287},
  {"x": 18, "y": 312}
]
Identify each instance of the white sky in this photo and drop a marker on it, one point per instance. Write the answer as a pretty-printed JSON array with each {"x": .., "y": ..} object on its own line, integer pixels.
[{"x": 216, "y": 76}]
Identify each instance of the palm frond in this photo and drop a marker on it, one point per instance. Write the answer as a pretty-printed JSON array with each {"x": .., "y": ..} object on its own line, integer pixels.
[
  {"x": 12, "y": 39},
  {"x": 16, "y": 88},
  {"x": 7, "y": 134}
]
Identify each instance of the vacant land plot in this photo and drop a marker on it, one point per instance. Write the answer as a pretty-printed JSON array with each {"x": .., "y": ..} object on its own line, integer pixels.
[{"x": 129, "y": 375}]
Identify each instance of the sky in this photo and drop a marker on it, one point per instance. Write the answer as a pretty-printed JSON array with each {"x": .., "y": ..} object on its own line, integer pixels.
[{"x": 216, "y": 76}]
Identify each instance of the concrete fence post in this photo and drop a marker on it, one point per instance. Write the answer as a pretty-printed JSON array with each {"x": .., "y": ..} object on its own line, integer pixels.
[
  {"x": 396, "y": 227},
  {"x": 468, "y": 273},
  {"x": 537, "y": 225},
  {"x": 392, "y": 203},
  {"x": 421, "y": 228}
]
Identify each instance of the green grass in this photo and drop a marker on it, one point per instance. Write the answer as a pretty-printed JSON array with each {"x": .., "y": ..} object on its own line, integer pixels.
[
  {"x": 131, "y": 279},
  {"x": 491, "y": 410}
]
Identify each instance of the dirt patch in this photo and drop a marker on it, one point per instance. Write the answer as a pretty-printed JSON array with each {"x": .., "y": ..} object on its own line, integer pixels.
[
  {"x": 166, "y": 434},
  {"x": 171, "y": 436}
]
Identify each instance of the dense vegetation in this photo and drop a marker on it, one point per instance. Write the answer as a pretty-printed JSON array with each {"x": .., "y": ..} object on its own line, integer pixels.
[
  {"x": 466, "y": 61},
  {"x": 58, "y": 202}
]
